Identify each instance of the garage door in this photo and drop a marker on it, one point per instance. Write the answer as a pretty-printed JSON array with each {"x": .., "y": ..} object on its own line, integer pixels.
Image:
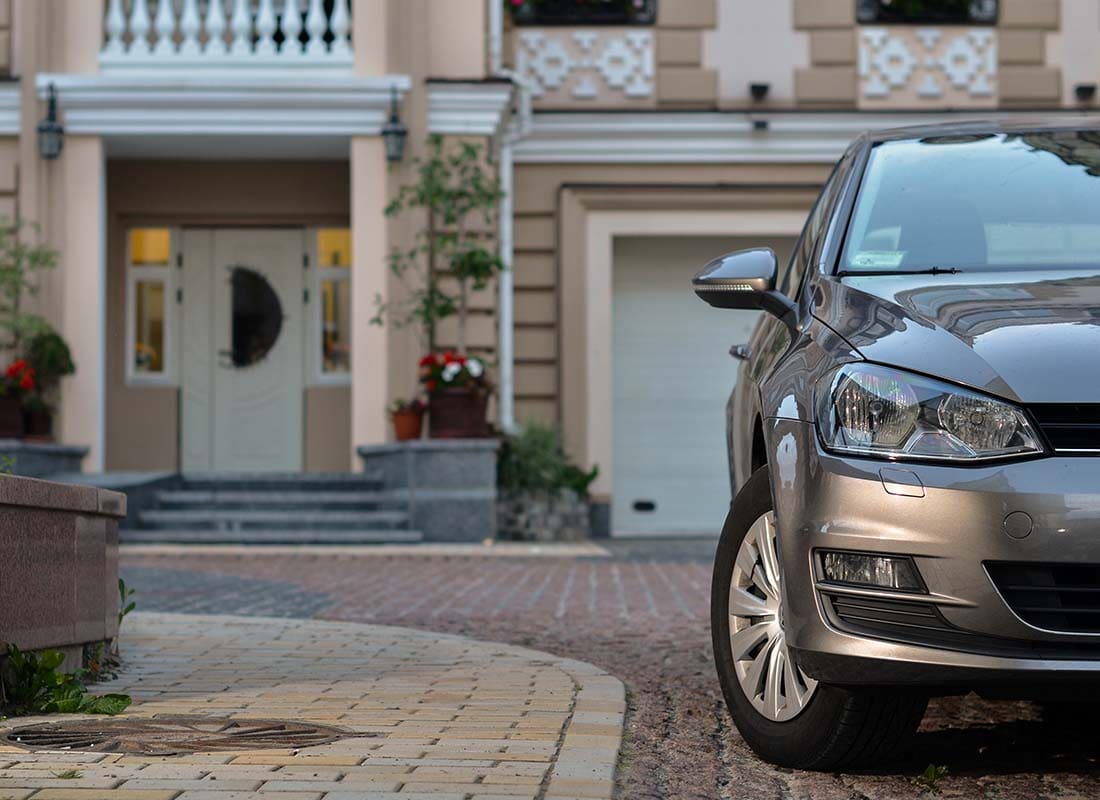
[{"x": 672, "y": 378}]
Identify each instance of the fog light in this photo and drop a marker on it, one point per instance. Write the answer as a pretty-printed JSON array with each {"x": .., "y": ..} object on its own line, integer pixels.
[{"x": 885, "y": 572}]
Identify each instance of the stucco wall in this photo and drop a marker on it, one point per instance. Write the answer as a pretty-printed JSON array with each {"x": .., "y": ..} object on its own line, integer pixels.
[
  {"x": 143, "y": 422},
  {"x": 540, "y": 311}
]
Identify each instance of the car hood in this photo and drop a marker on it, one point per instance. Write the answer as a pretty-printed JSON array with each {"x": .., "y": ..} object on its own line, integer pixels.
[{"x": 1032, "y": 337}]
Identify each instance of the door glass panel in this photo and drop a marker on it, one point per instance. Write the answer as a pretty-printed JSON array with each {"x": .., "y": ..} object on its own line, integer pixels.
[
  {"x": 148, "y": 327},
  {"x": 336, "y": 325},
  {"x": 150, "y": 247},
  {"x": 334, "y": 247},
  {"x": 257, "y": 317}
]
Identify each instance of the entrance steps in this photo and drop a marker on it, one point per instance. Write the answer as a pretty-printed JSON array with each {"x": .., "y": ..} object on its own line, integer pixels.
[{"x": 271, "y": 508}]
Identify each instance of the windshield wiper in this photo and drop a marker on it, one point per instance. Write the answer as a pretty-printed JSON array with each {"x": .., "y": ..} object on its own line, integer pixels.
[{"x": 850, "y": 273}]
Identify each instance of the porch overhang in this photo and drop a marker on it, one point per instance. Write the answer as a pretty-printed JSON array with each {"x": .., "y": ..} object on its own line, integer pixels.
[{"x": 224, "y": 114}]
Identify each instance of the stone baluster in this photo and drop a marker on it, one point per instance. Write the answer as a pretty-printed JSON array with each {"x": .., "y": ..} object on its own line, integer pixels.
[
  {"x": 316, "y": 25},
  {"x": 116, "y": 27},
  {"x": 215, "y": 29},
  {"x": 292, "y": 29},
  {"x": 241, "y": 25},
  {"x": 341, "y": 27},
  {"x": 139, "y": 28},
  {"x": 190, "y": 26},
  {"x": 165, "y": 29},
  {"x": 265, "y": 29}
]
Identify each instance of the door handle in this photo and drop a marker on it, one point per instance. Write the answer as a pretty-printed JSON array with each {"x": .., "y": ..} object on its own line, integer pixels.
[{"x": 742, "y": 352}]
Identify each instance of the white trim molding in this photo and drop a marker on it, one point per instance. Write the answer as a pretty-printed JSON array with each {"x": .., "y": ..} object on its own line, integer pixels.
[
  {"x": 10, "y": 109},
  {"x": 718, "y": 137},
  {"x": 230, "y": 103},
  {"x": 474, "y": 108}
]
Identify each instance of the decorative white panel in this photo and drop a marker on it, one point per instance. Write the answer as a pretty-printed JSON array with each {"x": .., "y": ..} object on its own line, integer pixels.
[
  {"x": 569, "y": 66},
  {"x": 907, "y": 67}
]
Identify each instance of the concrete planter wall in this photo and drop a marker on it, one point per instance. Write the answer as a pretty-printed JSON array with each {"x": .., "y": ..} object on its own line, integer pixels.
[
  {"x": 450, "y": 485},
  {"x": 41, "y": 459},
  {"x": 561, "y": 516},
  {"x": 58, "y": 565}
]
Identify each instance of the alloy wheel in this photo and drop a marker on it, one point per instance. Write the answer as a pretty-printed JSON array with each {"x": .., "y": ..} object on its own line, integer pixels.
[{"x": 775, "y": 686}]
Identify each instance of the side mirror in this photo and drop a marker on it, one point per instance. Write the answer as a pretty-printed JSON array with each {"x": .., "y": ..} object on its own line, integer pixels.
[{"x": 745, "y": 279}]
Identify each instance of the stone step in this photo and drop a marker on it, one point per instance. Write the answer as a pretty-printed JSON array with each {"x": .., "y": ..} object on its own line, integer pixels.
[
  {"x": 271, "y": 537},
  {"x": 281, "y": 481},
  {"x": 268, "y": 519},
  {"x": 280, "y": 499}
]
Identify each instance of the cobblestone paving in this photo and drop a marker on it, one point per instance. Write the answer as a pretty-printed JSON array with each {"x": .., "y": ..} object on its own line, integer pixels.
[
  {"x": 641, "y": 615},
  {"x": 425, "y": 714}
]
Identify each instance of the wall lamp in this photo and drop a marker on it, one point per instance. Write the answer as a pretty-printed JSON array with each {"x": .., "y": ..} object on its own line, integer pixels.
[
  {"x": 394, "y": 132},
  {"x": 51, "y": 134}
]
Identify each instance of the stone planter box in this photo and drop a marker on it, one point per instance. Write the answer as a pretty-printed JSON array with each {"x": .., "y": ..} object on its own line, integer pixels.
[
  {"x": 58, "y": 565},
  {"x": 561, "y": 516},
  {"x": 41, "y": 459},
  {"x": 450, "y": 485}
]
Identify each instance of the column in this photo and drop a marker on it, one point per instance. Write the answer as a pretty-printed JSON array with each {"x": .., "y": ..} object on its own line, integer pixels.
[
  {"x": 82, "y": 283},
  {"x": 370, "y": 344}
]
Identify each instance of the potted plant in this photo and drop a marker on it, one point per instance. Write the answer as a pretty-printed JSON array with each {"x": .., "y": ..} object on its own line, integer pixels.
[
  {"x": 458, "y": 389},
  {"x": 542, "y": 495},
  {"x": 457, "y": 195},
  {"x": 21, "y": 259},
  {"x": 49, "y": 357},
  {"x": 15, "y": 384},
  {"x": 408, "y": 419}
]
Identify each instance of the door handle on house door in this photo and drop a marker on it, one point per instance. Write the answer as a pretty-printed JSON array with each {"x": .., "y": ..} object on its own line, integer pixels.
[{"x": 742, "y": 352}]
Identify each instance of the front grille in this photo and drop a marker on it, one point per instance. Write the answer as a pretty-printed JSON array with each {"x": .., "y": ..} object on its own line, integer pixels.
[
  {"x": 921, "y": 623},
  {"x": 1069, "y": 427},
  {"x": 1057, "y": 597}
]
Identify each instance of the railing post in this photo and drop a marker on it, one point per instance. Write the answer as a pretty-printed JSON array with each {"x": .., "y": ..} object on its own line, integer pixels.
[
  {"x": 316, "y": 24},
  {"x": 165, "y": 28},
  {"x": 292, "y": 29},
  {"x": 139, "y": 28},
  {"x": 265, "y": 29},
  {"x": 340, "y": 24},
  {"x": 215, "y": 29},
  {"x": 116, "y": 26},
  {"x": 241, "y": 25},
  {"x": 190, "y": 24}
]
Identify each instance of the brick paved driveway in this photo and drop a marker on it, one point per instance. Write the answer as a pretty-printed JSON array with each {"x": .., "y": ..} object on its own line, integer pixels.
[{"x": 641, "y": 614}]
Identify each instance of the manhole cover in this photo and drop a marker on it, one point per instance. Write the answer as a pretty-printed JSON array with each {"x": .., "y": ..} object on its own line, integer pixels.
[{"x": 172, "y": 735}]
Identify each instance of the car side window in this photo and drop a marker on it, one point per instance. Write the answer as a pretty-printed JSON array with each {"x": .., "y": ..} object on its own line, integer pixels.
[{"x": 815, "y": 226}]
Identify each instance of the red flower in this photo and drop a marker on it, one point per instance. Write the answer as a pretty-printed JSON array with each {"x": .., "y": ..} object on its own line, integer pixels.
[
  {"x": 429, "y": 385},
  {"x": 428, "y": 360},
  {"x": 26, "y": 383},
  {"x": 16, "y": 368}
]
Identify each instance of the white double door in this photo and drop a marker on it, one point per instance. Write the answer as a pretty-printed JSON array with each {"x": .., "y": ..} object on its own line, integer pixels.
[{"x": 242, "y": 350}]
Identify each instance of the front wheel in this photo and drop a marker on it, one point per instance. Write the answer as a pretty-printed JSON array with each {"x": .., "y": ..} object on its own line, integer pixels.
[{"x": 783, "y": 714}]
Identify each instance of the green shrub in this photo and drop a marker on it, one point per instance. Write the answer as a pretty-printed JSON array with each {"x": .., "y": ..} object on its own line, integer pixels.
[
  {"x": 534, "y": 460},
  {"x": 31, "y": 683}
]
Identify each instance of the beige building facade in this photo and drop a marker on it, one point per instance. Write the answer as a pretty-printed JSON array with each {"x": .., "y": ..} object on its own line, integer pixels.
[{"x": 218, "y": 204}]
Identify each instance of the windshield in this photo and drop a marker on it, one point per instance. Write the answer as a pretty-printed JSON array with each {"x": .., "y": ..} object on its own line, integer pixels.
[{"x": 974, "y": 203}]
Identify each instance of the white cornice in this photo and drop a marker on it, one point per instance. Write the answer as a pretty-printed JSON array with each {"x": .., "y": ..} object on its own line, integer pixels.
[
  {"x": 10, "y": 105},
  {"x": 716, "y": 137},
  {"x": 226, "y": 103},
  {"x": 472, "y": 109}
]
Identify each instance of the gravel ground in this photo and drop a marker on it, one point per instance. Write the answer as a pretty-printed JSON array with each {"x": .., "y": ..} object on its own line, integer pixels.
[{"x": 642, "y": 615}]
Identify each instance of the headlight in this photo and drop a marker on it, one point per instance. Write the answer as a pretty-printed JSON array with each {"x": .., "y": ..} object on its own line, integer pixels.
[{"x": 878, "y": 411}]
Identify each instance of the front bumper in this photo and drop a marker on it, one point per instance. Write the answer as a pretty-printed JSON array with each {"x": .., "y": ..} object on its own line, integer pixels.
[{"x": 830, "y": 502}]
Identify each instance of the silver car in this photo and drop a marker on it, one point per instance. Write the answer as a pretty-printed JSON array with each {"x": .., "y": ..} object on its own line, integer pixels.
[{"x": 915, "y": 443}]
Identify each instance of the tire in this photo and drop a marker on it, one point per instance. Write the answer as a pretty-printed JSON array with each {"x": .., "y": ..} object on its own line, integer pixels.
[{"x": 802, "y": 724}]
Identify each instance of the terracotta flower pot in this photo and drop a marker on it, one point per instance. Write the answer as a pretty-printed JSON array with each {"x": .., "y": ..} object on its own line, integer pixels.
[
  {"x": 457, "y": 414},
  {"x": 407, "y": 424},
  {"x": 38, "y": 424},
  {"x": 11, "y": 417}
]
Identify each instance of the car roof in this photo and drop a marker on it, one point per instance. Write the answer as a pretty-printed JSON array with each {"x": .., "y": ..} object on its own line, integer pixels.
[{"x": 973, "y": 127}]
